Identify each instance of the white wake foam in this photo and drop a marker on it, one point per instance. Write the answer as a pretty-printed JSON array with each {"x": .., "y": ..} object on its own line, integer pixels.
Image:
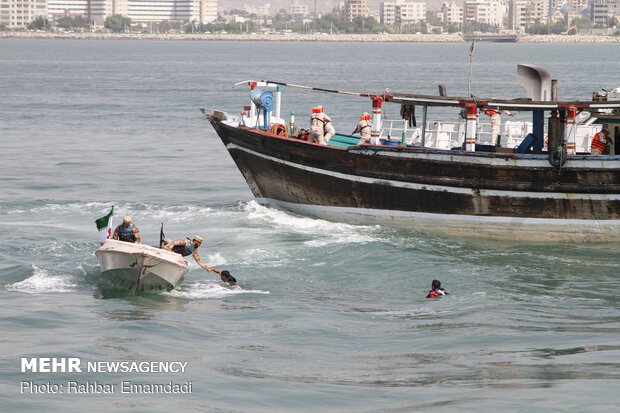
[
  {"x": 323, "y": 232},
  {"x": 42, "y": 281},
  {"x": 205, "y": 290}
]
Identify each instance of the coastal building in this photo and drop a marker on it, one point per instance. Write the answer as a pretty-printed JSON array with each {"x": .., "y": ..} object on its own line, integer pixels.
[
  {"x": 537, "y": 10},
  {"x": 17, "y": 14},
  {"x": 387, "y": 13},
  {"x": 263, "y": 10},
  {"x": 602, "y": 10},
  {"x": 354, "y": 8},
  {"x": 518, "y": 14},
  {"x": 298, "y": 9},
  {"x": 451, "y": 13},
  {"x": 568, "y": 6},
  {"x": 410, "y": 12},
  {"x": 401, "y": 12},
  {"x": 490, "y": 12},
  {"x": 154, "y": 11},
  {"x": 72, "y": 8}
]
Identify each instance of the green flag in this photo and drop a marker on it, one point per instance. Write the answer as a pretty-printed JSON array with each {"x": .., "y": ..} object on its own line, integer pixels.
[{"x": 104, "y": 225}]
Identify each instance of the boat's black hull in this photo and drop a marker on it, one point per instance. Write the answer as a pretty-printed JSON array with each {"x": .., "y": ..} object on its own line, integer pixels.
[{"x": 419, "y": 181}]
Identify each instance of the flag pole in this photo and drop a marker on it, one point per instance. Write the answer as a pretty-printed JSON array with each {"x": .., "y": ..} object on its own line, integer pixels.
[{"x": 471, "y": 60}]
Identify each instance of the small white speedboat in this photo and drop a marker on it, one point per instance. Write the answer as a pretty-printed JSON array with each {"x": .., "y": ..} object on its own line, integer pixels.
[{"x": 140, "y": 267}]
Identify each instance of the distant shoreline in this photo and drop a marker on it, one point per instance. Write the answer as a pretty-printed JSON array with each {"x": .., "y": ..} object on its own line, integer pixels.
[{"x": 292, "y": 37}]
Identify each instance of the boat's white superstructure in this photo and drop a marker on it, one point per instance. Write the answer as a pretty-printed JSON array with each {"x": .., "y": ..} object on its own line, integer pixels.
[{"x": 140, "y": 267}]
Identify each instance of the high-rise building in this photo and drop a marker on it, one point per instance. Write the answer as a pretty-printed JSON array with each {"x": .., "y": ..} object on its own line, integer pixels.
[
  {"x": 387, "y": 13},
  {"x": 298, "y": 9},
  {"x": 518, "y": 14},
  {"x": 58, "y": 8},
  {"x": 410, "y": 12},
  {"x": 402, "y": 12},
  {"x": 354, "y": 8},
  {"x": 602, "y": 10},
  {"x": 19, "y": 13},
  {"x": 451, "y": 13},
  {"x": 537, "y": 10},
  {"x": 154, "y": 11},
  {"x": 485, "y": 11}
]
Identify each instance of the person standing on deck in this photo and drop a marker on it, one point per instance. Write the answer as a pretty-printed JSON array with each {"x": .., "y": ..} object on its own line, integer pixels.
[
  {"x": 321, "y": 128},
  {"x": 600, "y": 142},
  {"x": 364, "y": 127},
  {"x": 496, "y": 122},
  {"x": 127, "y": 231},
  {"x": 185, "y": 247}
]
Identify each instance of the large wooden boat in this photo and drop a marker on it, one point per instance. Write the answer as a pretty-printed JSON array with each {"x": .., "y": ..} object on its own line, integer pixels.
[{"x": 555, "y": 190}]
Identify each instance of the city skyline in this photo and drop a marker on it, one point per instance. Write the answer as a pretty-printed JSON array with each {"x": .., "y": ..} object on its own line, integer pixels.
[{"x": 323, "y": 6}]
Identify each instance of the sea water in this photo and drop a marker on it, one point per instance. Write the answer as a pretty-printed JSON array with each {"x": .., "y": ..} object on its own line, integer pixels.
[{"x": 327, "y": 316}]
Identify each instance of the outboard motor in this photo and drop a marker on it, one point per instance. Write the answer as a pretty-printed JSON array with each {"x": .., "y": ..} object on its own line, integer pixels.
[{"x": 263, "y": 101}]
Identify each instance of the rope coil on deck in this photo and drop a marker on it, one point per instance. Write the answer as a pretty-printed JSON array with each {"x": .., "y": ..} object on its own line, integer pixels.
[{"x": 278, "y": 129}]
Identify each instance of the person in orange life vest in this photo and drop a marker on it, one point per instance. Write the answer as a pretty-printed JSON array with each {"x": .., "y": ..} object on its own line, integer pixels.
[
  {"x": 496, "y": 121},
  {"x": 127, "y": 232},
  {"x": 321, "y": 128},
  {"x": 436, "y": 290},
  {"x": 364, "y": 127},
  {"x": 600, "y": 142}
]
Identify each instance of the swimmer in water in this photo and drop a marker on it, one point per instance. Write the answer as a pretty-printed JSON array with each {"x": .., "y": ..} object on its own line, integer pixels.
[
  {"x": 436, "y": 291},
  {"x": 226, "y": 277}
]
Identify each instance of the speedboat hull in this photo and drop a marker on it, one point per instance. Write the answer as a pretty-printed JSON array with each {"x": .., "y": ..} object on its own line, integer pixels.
[{"x": 140, "y": 267}]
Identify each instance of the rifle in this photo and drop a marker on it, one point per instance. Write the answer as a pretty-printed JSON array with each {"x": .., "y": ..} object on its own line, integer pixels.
[{"x": 162, "y": 237}]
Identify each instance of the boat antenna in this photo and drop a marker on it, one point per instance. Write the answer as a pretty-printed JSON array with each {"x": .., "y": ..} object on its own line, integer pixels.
[{"x": 471, "y": 60}]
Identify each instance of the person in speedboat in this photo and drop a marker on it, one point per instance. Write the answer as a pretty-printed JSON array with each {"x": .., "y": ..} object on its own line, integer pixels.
[
  {"x": 185, "y": 247},
  {"x": 127, "y": 231}
]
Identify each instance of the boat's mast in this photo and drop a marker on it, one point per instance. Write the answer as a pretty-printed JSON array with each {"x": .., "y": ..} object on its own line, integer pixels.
[{"x": 471, "y": 60}]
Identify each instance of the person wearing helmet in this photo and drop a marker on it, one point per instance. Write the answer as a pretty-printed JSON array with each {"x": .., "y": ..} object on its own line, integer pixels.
[
  {"x": 127, "y": 231},
  {"x": 321, "y": 128},
  {"x": 185, "y": 247},
  {"x": 436, "y": 290},
  {"x": 364, "y": 127}
]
